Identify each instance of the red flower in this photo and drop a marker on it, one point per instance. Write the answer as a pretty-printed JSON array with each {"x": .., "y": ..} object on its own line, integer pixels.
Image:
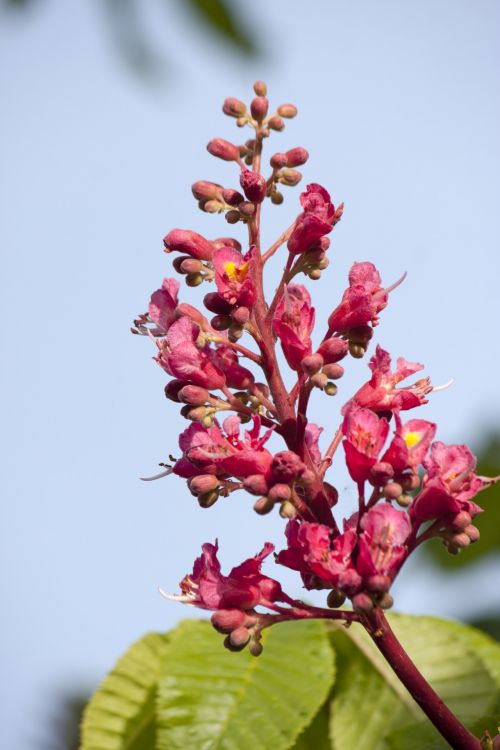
[
  {"x": 381, "y": 547},
  {"x": 244, "y": 588},
  {"x": 450, "y": 483},
  {"x": 409, "y": 445},
  {"x": 163, "y": 305},
  {"x": 381, "y": 393},
  {"x": 182, "y": 358},
  {"x": 317, "y": 219},
  {"x": 365, "y": 434},
  {"x": 187, "y": 242},
  {"x": 233, "y": 277},
  {"x": 293, "y": 322}
]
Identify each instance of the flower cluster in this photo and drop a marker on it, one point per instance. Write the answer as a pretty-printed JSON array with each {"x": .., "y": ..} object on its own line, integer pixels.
[{"x": 224, "y": 369}]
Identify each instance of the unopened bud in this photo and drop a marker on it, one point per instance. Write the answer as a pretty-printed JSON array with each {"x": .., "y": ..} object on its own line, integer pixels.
[
  {"x": 335, "y": 599},
  {"x": 410, "y": 481},
  {"x": 278, "y": 161},
  {"x": 204, "y": 190},
  {"x": 232, "y": 217},
  {"x": 255, "y": 647},
  {"x": 255, "y": 484},
  {"x": 241, "y": 122},
  {"x": 190, "y": 265},
  {"x": 393, "y": 490},
  {"x": 460, "y": 540},
  {"x": 220, "y": 322},
  {"x": 247, "y": 209},
  {"x": 227, "y": 620},
  {"x": 263, "y": 389},
  {"x": 380, "y": 473},
  {"x": 290, "y": 177},
  {"x": 461, "y": 520},
  {"x": 276, "y": 198},
  {"x": 241, "y": 315},
  {"x": 207, "y": 499},
  {"x": 333, "y": 371},
  {"x": 233, "y": 107},
  {"x": 287, "y": 510},
  {"x": 226, "y": 242},
  {"x": 239, "y": 637},
  {"x": 254, "y": 186},
  {"x": 172, "y": 389},
  {"x": 331, "y": 493},
  {"x": 232, "y": 197},
  {"x": 362, "y": 603},
  {"x": 314, "y": 274},
  {"x": 404, "y": 501},
  {"x": 361, "y": 335},
  {"x": 263, "y": 505},
  {"x": 385, "y": 601},
  {"x": 194, "y": 394},
  {"x": 203, "y": 483},
  {"x": 216, "y": 304},
  {"x": 280, "y": 492},
  {"x": 189, "y": 243},
  {"x": 235, "y": 332},
  {"x": 356, "y": 350},
  {"x": 194, "y": 279},
  {"x": 312, "y": 363},
  {"x": 223, "y": 149},
  {"x": 287, "y": 110},
  {"x": 211, "y": 206},
  {"x": 472, "y": 532},
  {"x": 330, "y": 389},
  {"x": 319, "y": 380},
  {"x": 195, "y": 413},
  {"x": 260, "y": 88},
  {"x": 378, "y": 584},
  {"x": 276, "y": 123},
  {"x": 333, "y": 349},
  {"x": 259, "y": 107},
  {"x": 286, "y": 466},
  {"x": 297, "y": 156}
]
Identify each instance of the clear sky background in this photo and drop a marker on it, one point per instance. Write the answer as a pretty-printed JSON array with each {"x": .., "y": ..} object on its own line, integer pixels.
[{"x": 399, "y": 108}]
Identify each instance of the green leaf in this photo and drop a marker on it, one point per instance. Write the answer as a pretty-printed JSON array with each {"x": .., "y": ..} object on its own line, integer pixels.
[
  {"x": 369, "y": 703},
  {"x": 488, "y": 522},
  {"x": 219, "y": 16},
  {"x": 212, "y": 699},
  {"x": 315, "y": 737},
  {"x": 121, "y": 714}
]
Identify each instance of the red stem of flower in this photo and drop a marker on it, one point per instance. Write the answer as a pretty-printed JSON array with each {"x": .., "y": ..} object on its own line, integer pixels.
[{"x": 429, "y": 701}]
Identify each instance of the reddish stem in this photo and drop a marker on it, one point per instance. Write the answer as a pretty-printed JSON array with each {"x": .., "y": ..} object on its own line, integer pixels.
[{"x": 429, "y": 701}]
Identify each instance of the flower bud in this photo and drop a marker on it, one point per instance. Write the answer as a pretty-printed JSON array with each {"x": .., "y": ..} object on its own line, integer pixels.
[
  {"x": 204, "y": 190},
  {"x": 263, "y": 389},
  {"x": 227, "y": 620},
  {"x": 194, "y": 394},
  {"x": 177, "y": 262},
  {"x": 233, "y": 107},
  {"x": 263, "y": 505},
  {"x": 172, "y": 389},
  {"x": 255, "y": 484},
  {"x": 410, "y": 481},
  {"x": 194, "y": 279},
  {"x": 189, "y": 243},
  {"x": 277, "y": 161},
  {"x": 280, "y": 492},
  {"x": 286, "y": 466},
  {"x": 331, "y": 493},
  {"x": 378, "y": 584},
  {"x": 380, "y": 473},
  {"x": 472, "y": 532},
  {"x": 314, "y": 273},
  {"x": 202, "y": 484},
  {"x": 362, "y": 603},
  {"x": 220, "y": 322},
  {"x": 287, "y": 510},
  {"x": 241, "y": 315},
  {"x": 260, "y": 88},
  {"x": 386, "y": 601},
  {"x": 226, "y": 242},
  {"x": 216, "y": 304},
  {"x": 335, "y": 599},
  {"x": 276, "y": 198},
  {"x": 207, "y": 499},
  {"x": 223, "y": 149},
  {"x": 393, "y": 490},
  {"x": 259, "y": 107},
  {"x": 287, "y": 110},
  {"x": 330, "y": 389},
  {"x": 192, "y": 313},
  {"x": 255, "y": 647},
  {"x": 461, "y": 520},
  {"x": 211, "y": 206},
  {"x": 239, "y": 637},
  {"x": 189, "y": 265},
  {"x": 360, "y": 335},
  {"x": 333, "y": 371},
  {"x": 460, "y": 540},
  {"x": 276, "y": 123},
  {"x": 247, "y": 209},
  {"x": 333, "y": 349},
  {"x": 233, "y": 217},
  {"x": 356, "y": 351},
  {"x": 254, "y": 186},
  {"x": 290, "y": 177},
  {"x": 496, "y": 742},
  {"x": 296, "y": 156},
  {"x": 319, "y": 380},
  {"x": 404, "y": 501},
  {"x": 312, "y": 363},
  {"x": 232, "y": 197}
]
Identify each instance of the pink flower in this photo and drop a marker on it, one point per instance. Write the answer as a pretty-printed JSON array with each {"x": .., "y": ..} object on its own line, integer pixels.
[
  {"x": 227, "y": 361},
  {"x": 244, "y": 588},
  {"x": 381, "y": 393},
  {"x": 317, "y": 219},
  {"x": 362, "y": 301},
  {"x": 189, "y": 243},
  {"x": 409, "y": 445},
  {"x": 323, "y": 561},
  {"x": 180, "y": 356},
  {"x": 450, "y": 483},
  {"x": 381, "y": 549},
  {"x": 365, "y": 435},
  {"x": 312, "y": 434},
  {"x": 163, "y": 305},
  {"x": 293, "y": 323},
  {"x": 233, "y": 276}
]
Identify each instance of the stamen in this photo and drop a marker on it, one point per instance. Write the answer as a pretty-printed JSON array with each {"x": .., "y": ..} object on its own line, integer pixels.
[
  {"x": 445, "y": 385},
  {"x": 164, "y": 473}
]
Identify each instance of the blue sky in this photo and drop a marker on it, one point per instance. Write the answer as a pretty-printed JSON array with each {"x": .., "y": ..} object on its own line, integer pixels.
[{"x": 398, "y": 106}]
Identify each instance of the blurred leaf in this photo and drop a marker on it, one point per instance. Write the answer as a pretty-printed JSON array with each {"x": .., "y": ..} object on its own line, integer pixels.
[
  {"x": 315, "y": 737},
  {"x": 126, "y": 27},
  {"x": 488, "y": 522},
  {"x": 121, "y": 714},
  {"x": 211, "y": 698},
  {"x": 489, "y": 624},
  {"x": 462, "y": 665},
  {"x": 219, "y": 16}
]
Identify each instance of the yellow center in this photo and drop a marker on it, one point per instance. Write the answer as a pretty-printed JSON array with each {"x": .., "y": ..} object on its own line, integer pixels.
[
  {"x": 234, "y": 272},
  {"x": 411, "y": 438}
]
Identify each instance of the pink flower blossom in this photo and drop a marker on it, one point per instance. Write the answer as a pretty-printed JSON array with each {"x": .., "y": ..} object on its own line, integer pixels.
[
  {"x": 163, "y": 305},
  {"x": 381, "y": 547},
  {"x": 244, "y": 588},
  {"x": 293, "y": 323},
  {"x": 312, "y": 435},
  {"x": 409, "y": 445},
  {"x": 317, "y": 219},
  {"x": 362, "y": 301},
  {"x": 187, "y": 242},
  {"x": 365, "y": 434},
  {"x": 233, "y": 276},
  {"x": 182, "y": 358},
  {"x": 450, "y": 483},
  {"x": 380, "y": 392}
]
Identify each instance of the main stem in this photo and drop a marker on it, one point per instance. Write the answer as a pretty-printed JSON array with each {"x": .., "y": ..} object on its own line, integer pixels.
[{"x": 429, "y": 701}]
